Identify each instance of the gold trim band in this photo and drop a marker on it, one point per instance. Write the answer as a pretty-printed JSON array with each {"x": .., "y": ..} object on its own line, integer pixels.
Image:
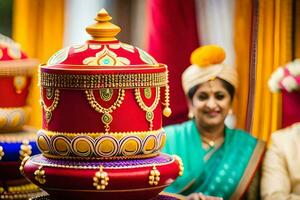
[
  {"x": 18, "y": 67},
  {"x": 91, "y": 146},
  {"x": 250, "y": 170},
  {"x": 98, "y": 81}
]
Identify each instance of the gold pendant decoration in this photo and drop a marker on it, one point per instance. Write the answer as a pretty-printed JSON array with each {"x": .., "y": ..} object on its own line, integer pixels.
[
  {"x": 154, "y": 176},
  {"x": 149, "y": 116},
  {"x": 106, "y": 117},
  {"x": 100, "y": 179},
  {"x": 49, "y": 93},
  {"x": 148, "y": 109},
  {"x": 48, "y": 116},
  {"x": 106, "y": 94},
  {"x": 147, "y": 92},
  {"x": 20, "y": 83},
  {"x": 49, "y": 109},
  {"x": 1, "y": 152},
  {"x": 25, "y": 149},
  {"x": 167, "y": 110},
  {"x": 40, "y": 175}
]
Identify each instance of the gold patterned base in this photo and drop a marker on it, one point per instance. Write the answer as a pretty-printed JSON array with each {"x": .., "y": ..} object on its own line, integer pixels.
[
  {"x": 101, "y": 145},
  {"x": 13, "y": 119}
]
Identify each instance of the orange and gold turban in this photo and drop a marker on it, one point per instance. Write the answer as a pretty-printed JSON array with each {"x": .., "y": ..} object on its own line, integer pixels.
[{"x": 207, "y": 64}]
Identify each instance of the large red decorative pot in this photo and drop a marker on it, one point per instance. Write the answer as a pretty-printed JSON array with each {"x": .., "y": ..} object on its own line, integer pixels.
[
  {"x": 102, "y": 121},
  {"x": 16, "y": 70},
  {"x": 16, "y": 140}
]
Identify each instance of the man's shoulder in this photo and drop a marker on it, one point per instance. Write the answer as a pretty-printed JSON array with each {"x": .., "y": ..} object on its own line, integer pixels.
[{"x": 288, "y": 134}]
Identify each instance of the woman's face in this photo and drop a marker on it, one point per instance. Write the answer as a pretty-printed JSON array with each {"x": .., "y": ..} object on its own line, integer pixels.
[{"x": 210, "y": 104}]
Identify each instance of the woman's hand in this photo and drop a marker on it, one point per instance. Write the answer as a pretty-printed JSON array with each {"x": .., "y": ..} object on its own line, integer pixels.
[{"x": 200, "y": 196}]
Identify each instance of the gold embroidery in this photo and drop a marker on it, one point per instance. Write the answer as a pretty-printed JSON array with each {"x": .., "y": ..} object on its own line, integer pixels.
[
  {"x": 106, "y": 94},
  {"x": 114, "y": 81},
  {"x": 48, "y": 110},
  {"x": 106, "y": 57},
  {"x": 49, "y": 93},
  {"x": 106, "y": 117},
  {"x": 147, "y": 92}
]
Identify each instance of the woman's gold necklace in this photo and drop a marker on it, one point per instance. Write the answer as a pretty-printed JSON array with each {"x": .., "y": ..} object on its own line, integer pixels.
[{"x": 210, "y": 143}]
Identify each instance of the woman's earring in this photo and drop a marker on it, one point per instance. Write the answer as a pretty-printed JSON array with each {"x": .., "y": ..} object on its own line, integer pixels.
[
  {"x": 230, "y": 120},
  {"x": 190, "y": 115}
]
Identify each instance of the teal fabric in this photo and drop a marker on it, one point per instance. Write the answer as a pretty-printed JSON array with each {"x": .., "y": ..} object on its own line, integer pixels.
[{"x": 218, "y": 176}]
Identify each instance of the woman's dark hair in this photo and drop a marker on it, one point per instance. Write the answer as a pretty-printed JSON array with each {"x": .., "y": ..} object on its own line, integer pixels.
[{"x": 230, "y": 89}]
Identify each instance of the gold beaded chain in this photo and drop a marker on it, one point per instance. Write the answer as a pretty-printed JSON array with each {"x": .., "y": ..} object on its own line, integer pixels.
[
  {"x": 48, "y": 110},
  {"x": 106, "y": 117},
  {"x": 167, "y": 110},
  {"x": 148, "y": 109}
]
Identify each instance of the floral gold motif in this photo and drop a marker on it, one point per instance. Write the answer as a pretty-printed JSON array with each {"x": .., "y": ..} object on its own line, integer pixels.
[
  {"x": 147, "y": 92},
  {"x": 100, "y": 179},
  {"x": 148, "y": 109},
  {"x": 106, "y": 57},
  {"x": 154, "y": 176},
  {"x": 25, "y": 149},
  {"x": 106, "y": 94},
  {"x": 49, "y": 93},
  {"x": 40, "y": 175}
]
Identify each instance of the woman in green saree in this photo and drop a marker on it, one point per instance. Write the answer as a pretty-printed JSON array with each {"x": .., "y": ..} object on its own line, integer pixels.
[{"x": 218, "y": 161}]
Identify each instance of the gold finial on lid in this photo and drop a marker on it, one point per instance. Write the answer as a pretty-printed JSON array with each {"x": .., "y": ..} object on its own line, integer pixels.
[{"x": 103, "y": 30}]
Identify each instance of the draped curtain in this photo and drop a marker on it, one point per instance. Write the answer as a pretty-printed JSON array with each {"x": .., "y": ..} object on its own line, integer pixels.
[
  {"x": 38, "y": 27},
  {"x": 273, "y": 49},
  {"x": 242, "y": 44},
  {"x": 172, "y": 37}
]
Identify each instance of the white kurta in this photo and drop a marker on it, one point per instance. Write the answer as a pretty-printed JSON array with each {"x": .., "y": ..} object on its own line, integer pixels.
[{"x": 281, "y": 167}]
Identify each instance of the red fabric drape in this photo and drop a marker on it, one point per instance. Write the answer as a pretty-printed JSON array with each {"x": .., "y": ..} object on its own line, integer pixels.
[{"x": 172, "y": 37}]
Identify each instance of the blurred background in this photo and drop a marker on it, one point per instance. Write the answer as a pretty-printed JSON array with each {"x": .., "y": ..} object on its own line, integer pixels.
[{"x": 257, "y": 35}]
